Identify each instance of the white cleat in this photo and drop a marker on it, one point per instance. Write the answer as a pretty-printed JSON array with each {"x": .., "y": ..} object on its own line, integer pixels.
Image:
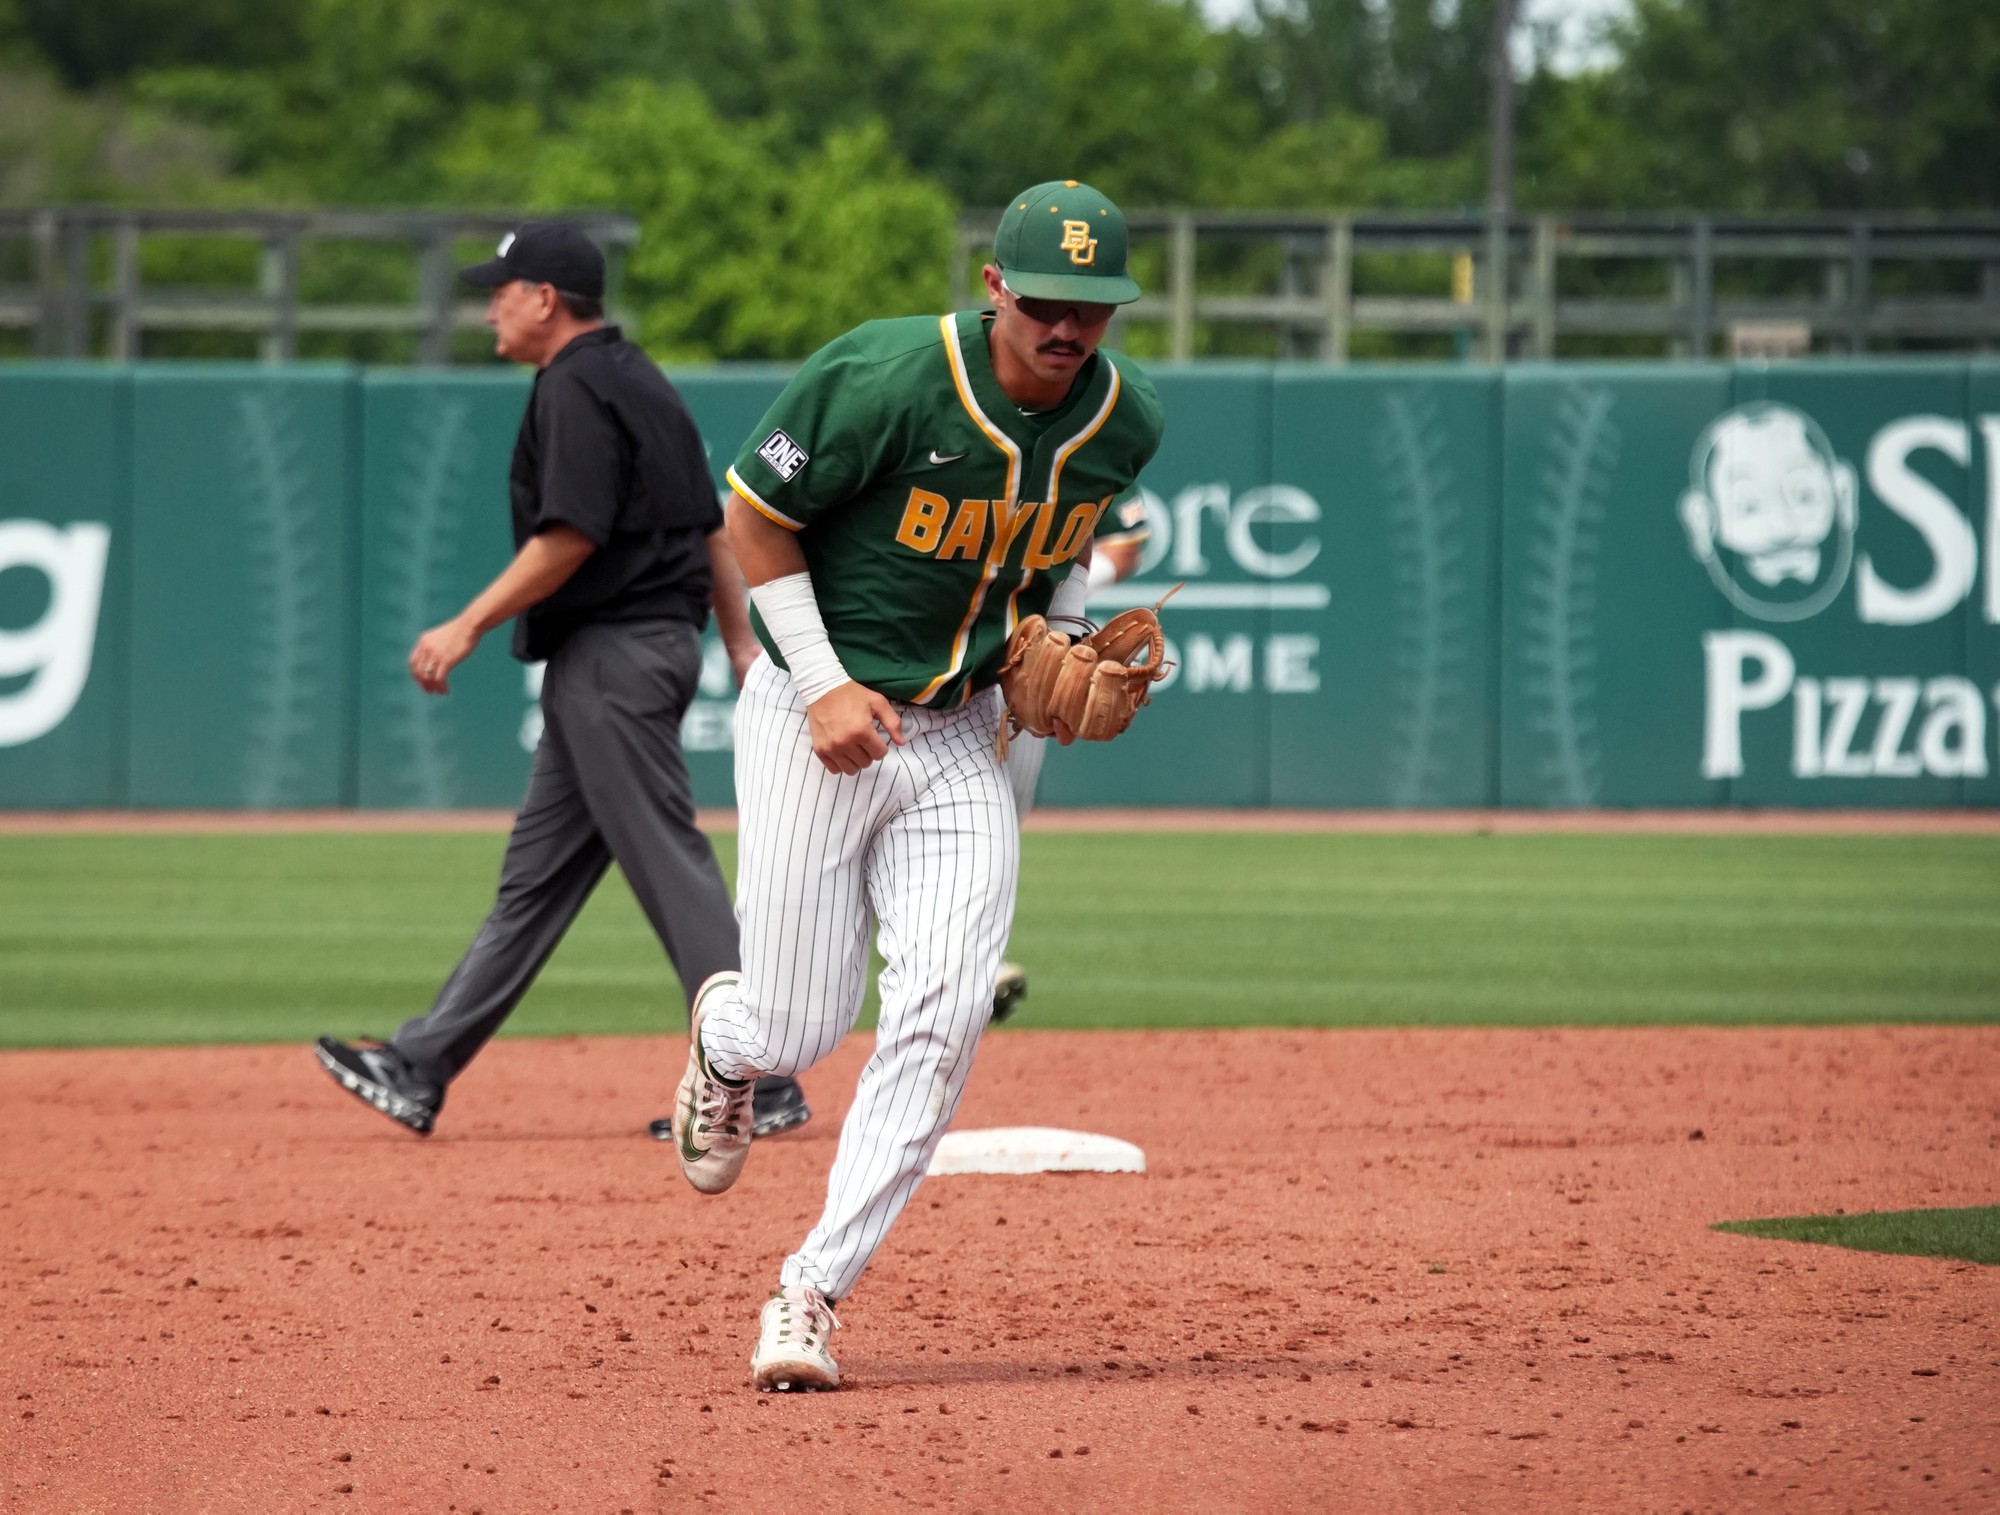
[
  {"x": 791, "y": 1350},
  {"x": 712, "y": 1114}
]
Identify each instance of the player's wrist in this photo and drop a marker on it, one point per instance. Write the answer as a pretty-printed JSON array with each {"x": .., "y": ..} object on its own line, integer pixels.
[{"x": 791, "y": 614}]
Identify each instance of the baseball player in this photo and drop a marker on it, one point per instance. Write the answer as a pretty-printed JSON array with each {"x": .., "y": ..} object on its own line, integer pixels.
[
  {"x": 1114, "y": 556},
  {"x": 921, "y": 487}
]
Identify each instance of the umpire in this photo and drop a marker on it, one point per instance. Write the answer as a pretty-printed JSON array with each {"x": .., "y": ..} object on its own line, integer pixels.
[{"x": 620, "y": 548}]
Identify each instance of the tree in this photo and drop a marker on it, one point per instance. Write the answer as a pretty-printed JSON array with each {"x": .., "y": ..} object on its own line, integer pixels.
[
  {"x": 1786, "y": 104},
  {"x": 750, "y": 246}
]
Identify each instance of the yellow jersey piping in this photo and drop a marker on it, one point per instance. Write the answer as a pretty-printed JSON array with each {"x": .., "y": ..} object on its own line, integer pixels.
[
  {"x": 1055, "y": 476},
  {"x": 751, "y": 495},
  {"x": 1003, "y": 515}
]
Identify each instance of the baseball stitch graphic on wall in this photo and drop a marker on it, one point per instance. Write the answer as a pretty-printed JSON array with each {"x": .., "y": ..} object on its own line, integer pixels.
[
  {"x": 288, "y": 593},
  {"x": 1559, "y": 618},
  {"x": 434, "y": 464},
  {"x": 1432, "y": 632}
]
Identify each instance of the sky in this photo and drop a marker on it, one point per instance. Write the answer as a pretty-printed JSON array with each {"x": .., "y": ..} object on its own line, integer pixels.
[{"x": 1575, "y": 19}]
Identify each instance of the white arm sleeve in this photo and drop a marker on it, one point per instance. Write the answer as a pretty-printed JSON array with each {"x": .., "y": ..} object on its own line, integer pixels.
[
  {"x": 791, "y": 614},
  {"x": 1066, "y": 608},
  {"x": 1102, "y": 570}
]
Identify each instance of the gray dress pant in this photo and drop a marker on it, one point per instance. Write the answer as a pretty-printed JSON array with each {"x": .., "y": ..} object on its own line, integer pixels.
[{"x": 608, "y": 782}]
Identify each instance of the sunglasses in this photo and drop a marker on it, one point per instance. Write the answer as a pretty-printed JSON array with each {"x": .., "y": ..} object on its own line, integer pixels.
[{"x": 1051, "y": 312}]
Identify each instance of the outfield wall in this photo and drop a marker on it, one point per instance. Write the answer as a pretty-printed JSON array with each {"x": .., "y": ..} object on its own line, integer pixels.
[{"x": 1552, "y": 585}]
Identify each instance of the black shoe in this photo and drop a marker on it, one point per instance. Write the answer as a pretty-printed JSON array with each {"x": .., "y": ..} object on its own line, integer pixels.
[
  {"x": 378, "y": 1076},
  {"x": 777, "y": 1104},
  {"x": 1008, "y": 991}
]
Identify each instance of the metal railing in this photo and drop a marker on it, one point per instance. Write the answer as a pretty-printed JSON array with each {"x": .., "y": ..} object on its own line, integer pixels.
[
  {"x": 84, "y": 295},
  {"x": 1525, "y": 282}
]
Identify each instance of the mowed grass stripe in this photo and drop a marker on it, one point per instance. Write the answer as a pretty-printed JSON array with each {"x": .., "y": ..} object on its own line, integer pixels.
[{"x": 132, "y": 939}]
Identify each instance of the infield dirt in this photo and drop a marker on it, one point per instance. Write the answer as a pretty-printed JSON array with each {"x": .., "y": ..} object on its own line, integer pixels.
[{"x": 1440, "y": 1269}]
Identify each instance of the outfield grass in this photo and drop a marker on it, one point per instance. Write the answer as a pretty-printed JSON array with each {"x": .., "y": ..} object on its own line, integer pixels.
[
  {"x": 1972, "y": 1235},
  {"x": 126, "y": 939}
]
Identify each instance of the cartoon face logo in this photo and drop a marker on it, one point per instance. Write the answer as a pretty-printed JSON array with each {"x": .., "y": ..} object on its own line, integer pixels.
[{"x": 1765, "y": 494}]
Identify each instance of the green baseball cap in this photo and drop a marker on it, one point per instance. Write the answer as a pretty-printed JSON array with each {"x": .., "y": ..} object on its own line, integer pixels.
[{"x": 1064, "y": 241}]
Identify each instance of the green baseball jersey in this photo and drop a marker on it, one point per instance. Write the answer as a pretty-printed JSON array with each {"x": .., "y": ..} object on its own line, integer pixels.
[{"x": 933, "y": 514}]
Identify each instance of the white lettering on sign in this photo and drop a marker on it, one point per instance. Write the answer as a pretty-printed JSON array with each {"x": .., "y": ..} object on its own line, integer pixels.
[
  {"x": 1989, "y": 428},
  {"x": 1288, "y": 665},
  {"x": 1731, "y": 692},
  {"x": 1273, "y": 504},
  {"x": 54, "y": 652},
  {"x": 1843, "y": 727},
  {"x": 1945, "y": 530},
  {"x": 1227, "y": 665}
]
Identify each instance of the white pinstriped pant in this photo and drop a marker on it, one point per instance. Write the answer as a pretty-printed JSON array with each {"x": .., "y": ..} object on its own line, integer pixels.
[{"x": 924, "y": 844}]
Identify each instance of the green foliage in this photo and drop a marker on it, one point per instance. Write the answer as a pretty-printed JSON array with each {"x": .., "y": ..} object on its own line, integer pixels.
[
  {"x": 56, "y": 145},
  {"x": 247, "y": 938},
  {"x": 853, "y": 128},
  {"x": 1800, "y": 105},
  {"x": 1972, "y": 1235},
  {"x": 96, "y": 42},
  {"x": 751, "y": 245}
]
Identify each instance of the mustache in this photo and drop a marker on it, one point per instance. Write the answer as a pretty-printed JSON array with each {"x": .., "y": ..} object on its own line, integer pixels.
[{"x": 1069, "y": 347}]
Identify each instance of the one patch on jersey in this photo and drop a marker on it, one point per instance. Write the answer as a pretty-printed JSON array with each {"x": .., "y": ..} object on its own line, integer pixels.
[{"x": 784, "y": 455}]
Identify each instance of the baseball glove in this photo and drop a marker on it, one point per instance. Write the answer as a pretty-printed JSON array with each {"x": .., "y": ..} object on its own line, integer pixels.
[{"x": 1081, "y": 688}]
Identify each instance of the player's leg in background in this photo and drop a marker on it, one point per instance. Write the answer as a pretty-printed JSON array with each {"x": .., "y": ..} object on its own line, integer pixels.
[
  {"x": 942, "y": 875},
  {"x": 555, "y": 857},
  {"x": 1025, "y": 754},
  {"x": 802, "y": 836}
]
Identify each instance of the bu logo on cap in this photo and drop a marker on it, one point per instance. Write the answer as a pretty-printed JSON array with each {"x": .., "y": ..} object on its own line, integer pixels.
[{"x": 1079, "y": 243}]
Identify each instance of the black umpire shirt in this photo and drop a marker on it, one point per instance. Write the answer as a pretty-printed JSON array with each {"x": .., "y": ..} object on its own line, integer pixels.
[{"x": 607, "y": 447}]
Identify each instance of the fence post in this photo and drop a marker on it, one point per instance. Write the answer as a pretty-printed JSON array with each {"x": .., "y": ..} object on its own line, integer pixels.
[
  {"x": 278, "y": 282},
  {"x": 434, "y": 292},
  {"x": 48, "y": 282},
  {"x": 1337, "y": 285},
  {"x": 1545, "y": 287},
  {"x": 1859, "y": 261},
  {"x": 1180, "y": 290},
  {"x": 1701, "y": 307},
  {"x": 1496, "y": 287},
  {"x": 76, "y": 288},
  {"x": 125, "y": 329}
]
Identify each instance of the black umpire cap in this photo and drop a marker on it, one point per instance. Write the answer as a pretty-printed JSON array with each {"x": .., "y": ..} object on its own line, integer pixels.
[{"x": 543, "y": 252}]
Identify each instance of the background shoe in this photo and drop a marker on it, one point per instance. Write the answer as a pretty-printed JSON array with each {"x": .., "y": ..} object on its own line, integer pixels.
[
  {"x": 378, "y": 1076},
  {"x": 779, "y": 1105},
  {"x": 711, "y": 1113},
  {"x": 1009, "y": 990},
  {"x": 791, "y": 1350}
]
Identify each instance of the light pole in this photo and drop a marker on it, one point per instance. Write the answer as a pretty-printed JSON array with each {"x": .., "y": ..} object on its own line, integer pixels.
[{"x": 1499, "y": 176}]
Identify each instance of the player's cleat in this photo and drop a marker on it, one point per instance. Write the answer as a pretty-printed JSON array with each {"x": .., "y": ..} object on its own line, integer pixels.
[
  {"x": 1009, "y": 990},
  {"x": 378, "y": 1076},
  {"x": 779, "y": 1104},
  {"x": 791, "y": 1350},
  {"x": 711, "y": 1113}
]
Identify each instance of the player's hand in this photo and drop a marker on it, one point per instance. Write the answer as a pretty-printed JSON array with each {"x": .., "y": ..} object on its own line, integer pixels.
[
  {"x": 845, "y": 722},
  {"x": 440, "y": 650},
  {"x": 741, "y": 657}
]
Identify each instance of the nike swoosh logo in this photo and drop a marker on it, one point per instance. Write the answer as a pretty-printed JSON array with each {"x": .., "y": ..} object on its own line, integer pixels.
[
  {"x": 689, "y": 1151},
  {"x": 938, "y": 459}
]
